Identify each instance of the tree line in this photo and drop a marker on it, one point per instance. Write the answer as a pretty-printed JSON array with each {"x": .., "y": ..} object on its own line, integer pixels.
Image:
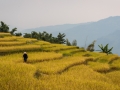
[{"x": 60, "y": 39}]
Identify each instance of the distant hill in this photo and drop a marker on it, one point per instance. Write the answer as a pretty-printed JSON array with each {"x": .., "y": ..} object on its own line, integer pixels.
[
  {"x": 93, "y": 31},
  {"x": 51, "y": 29},
  {"x": 86, "y": 33}
]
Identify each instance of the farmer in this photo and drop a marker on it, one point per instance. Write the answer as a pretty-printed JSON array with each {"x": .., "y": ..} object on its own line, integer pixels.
[{"x": 25, "y": 56}]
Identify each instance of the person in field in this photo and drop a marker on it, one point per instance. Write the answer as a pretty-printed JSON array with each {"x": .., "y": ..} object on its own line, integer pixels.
[{"x": 25, "y": 56}]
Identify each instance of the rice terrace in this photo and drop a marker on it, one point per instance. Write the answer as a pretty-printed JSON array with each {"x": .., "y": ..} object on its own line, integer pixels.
[{"x": 55, "y": 66}]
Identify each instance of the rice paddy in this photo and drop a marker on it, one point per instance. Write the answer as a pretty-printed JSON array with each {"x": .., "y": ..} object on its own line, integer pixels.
[{"x": 54, "y": 66}]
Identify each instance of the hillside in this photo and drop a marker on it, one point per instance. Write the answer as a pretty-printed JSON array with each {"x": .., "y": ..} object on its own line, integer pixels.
[
  {"x": 55, "y": 66},
  {"x": 86, "y": 32}
]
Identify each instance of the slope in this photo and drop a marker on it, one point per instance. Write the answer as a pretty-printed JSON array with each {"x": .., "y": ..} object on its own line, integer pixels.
[{"x": 56, "y": 67}]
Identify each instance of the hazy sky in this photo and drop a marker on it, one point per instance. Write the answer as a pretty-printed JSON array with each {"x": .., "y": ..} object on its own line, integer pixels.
[{"x": 36, "y": 13}]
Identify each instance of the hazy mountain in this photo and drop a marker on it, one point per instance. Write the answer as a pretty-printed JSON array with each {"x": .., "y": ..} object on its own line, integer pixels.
[
  {"x": 86, "y": 33},
  {"x": 51, "y": 29},
  {"x": 93, "y": 31}
]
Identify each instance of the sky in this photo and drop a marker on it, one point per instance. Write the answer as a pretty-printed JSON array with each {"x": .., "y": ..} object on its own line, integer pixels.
[{"x": 25, "y": 14}]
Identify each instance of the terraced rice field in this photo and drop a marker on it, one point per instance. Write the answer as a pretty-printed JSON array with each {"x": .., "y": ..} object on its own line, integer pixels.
[{"x": 55, "y": 66}]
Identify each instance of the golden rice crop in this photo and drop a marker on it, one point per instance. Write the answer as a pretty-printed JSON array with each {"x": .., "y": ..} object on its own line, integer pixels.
[
  {"x": 100, "y": 67},
  {"x": 107, "y": 58},
  {"x": 77, "y": 78},
  {"x": 89, "y": 54},
  {"x": 11, "y": 43},
  {"x": 43, "y": 56},
  {"x": 60, "y": 48},
  {"x": 58, "y": 66},
  {"x": 20, "y": 48},
  {"x": 7, "y": 39},
  {"x": 20, "y": 76},
  {"x": 43, "y": 43},
  {"x": 12, "y": 38},
  {"x": 70, "y": 51},
  {"x": 33, "y": 57},
  {"x": 114, "y": 76},
  {"x": 27, "y": 39},
  {"x": 5, "y": 34},
  {"x": 47, "y": 46},
  {"x": 115, "y": 64},
  {"x": 52, "y": 71},
  {"x": 16, "y": 76}
]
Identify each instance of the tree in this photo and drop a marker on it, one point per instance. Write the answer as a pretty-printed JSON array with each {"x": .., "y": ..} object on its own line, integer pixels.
[
  {"x": 13, "y": 30},
  {"x": 68, "y": 43},
  {"x": 74, "y": 43},
  {"x": 18, "y": 34},
  {"x": 34, "y": 35},
  {"x": 60, "y": 38},
  {"x": 27, "y": 35},
  {"x": 105, "y": 49},
  {"x": 46, "y": 37},
  {"x": 91, "y": 46},
  {"x": 4, "y": 27}
]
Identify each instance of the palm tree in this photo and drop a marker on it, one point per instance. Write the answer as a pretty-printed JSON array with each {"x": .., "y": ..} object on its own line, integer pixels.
[{"x": 105, "y": 49}]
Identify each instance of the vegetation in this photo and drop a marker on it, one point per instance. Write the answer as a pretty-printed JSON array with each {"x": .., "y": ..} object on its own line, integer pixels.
[
  {"x": 91, "y": 46},
  {"x": 49, "y": 38},
  {"x": 105, "y": 49},
  {"x": 5, "y": 28},
  {"x": 46, "y": 37},
  {"x": 38, "y": 35},
  {"x": 54, "y": 66},
  {"x": 74, "y": 43}
]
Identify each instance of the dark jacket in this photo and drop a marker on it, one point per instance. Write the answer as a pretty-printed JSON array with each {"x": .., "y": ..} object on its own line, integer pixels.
[{"x": 25, "y": 56}]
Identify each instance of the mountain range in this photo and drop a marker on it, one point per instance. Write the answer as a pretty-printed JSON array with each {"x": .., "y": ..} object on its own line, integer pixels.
[{"x": 105, "y": 31}]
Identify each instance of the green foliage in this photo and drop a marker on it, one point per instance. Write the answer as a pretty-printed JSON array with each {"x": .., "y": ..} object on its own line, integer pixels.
[
  {"x": 46, "y": 37},
  {"x": 60, "y": 38},
  {"x": 91, "y": 46},
  {"x": 68, "y": 43},
  {"x": 13, "y": 30},
  {"x": 18, "y": 34},
  {"x": 74, "y": 43},
  {"x": 105, "y": 49},
  {"x": 27, "y": 35},
  {"x": 4, "y": 27}
]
